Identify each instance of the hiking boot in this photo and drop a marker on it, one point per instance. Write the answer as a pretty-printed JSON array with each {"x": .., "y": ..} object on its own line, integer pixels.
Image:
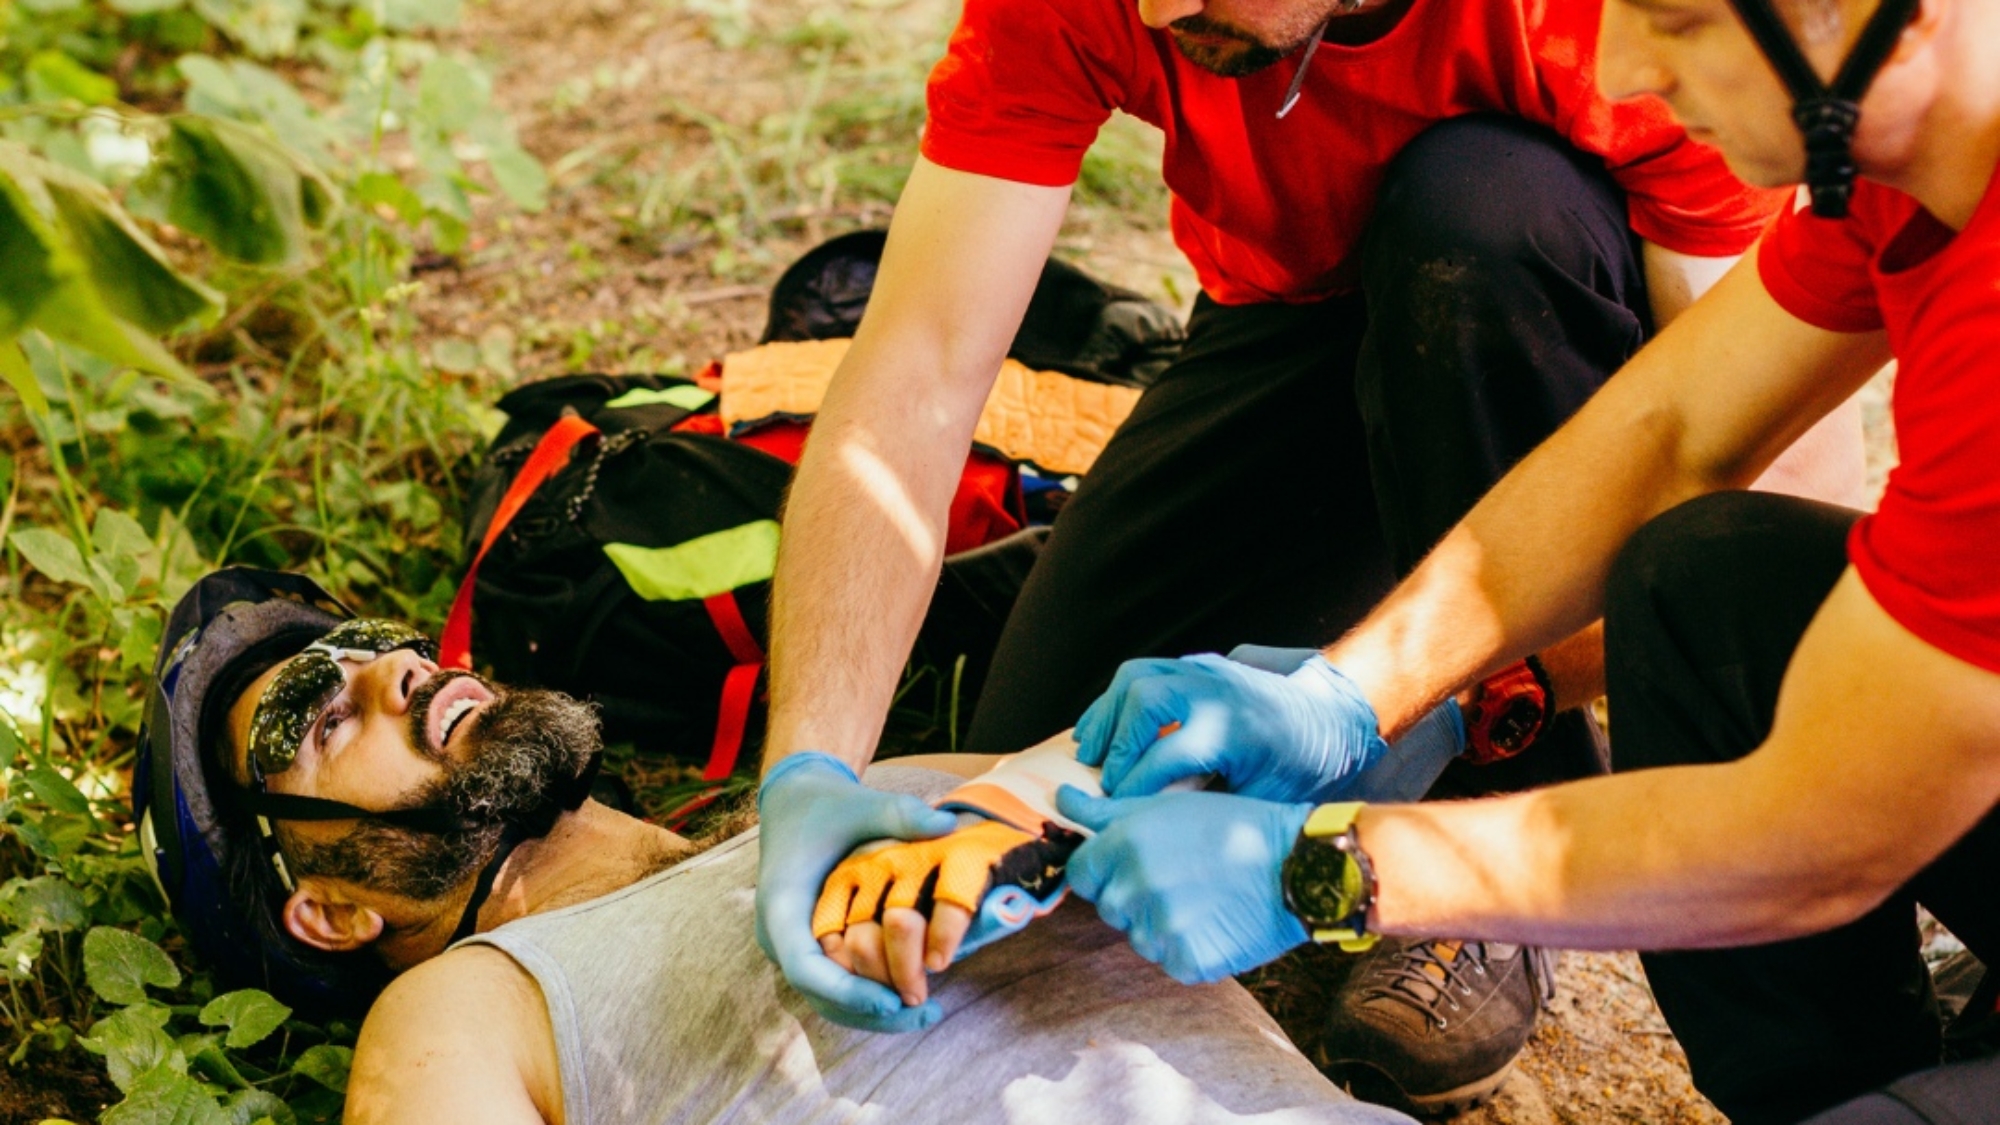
[{"x": 1432, "y": 1027}]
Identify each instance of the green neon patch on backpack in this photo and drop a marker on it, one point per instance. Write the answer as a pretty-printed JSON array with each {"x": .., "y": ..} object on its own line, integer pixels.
[
  {"x": 687, "y": 398},
  {"x": 699, "y": 568}
]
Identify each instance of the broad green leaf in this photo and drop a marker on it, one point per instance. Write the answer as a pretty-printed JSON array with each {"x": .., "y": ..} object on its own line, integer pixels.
[
  {"x": 34, "y": 268},
  {"x": 19, "y": 953},
  {"x": 52, "y": 553},
  {"x": 54, "y": 76},
  {"x": 165, "y": 1096},
  {"x": 44, "y": 904},
  {"x": 119, "y": 965},
  {"x": 50, "y": 7},
  {"x": 134, "y": 1042},
  {"x": 326, "y": 1065},
  {"x": 239, "y": 191},
  {"x": 15, "y": 370},
  {"x": 212, "y": 87},
  {"x": 451, "y": 95},
  {"x": 247, "y": 1107},
  {"x": 520, "y": 176},
  {"x": 57, "y": 791},
  {"x": 249, "y": 1014},
  {"x": 268, "y": 28},
  {"x": 209, "y": 1062},
  {"x": 129, "y": 271},
  {"x": 145, "y": 7},
  {"x": 77, "y": 315},
  {"x": 116, "y": 533},
  {"x": 380, "y": 189}
]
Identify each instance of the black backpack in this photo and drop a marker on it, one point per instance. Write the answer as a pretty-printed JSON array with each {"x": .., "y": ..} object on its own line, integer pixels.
[{"x": 622, "y": 560}]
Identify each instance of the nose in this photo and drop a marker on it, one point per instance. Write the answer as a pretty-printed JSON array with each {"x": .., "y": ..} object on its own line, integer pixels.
[
  {"x": 1160, "y": 13},
  {"x": 387, "y": 682},
  {"x": 1626, "y": 66}
]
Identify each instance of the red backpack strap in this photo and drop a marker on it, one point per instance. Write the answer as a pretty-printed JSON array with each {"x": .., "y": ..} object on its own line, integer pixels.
[
  {"x": 732, "y": 717},
  {"x": 739, "y": 687},
  {"x": 550, "y": 455}
]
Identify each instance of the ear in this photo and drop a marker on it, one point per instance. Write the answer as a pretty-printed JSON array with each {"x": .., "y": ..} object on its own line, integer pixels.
[{"x": 324, "y": 918}]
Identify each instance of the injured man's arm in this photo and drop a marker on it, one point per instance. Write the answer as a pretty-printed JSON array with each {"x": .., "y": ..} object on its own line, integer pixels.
[{"x": 897, "y": 911}]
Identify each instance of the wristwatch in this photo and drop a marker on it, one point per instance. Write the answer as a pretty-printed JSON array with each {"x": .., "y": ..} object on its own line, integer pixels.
[
  {"x": 1329, "y": 883},
  {"x": 1507, "y": 713}
]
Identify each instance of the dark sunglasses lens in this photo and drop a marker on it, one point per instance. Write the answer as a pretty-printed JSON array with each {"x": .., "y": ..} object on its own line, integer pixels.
[
  {"x": 290, "y": 706},
  {"x": 375, "y": 634}
]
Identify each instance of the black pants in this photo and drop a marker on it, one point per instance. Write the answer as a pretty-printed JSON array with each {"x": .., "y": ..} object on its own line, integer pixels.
[
  {"x": 1296, "y": 459},
  {"x": 1705, "y": 607}
]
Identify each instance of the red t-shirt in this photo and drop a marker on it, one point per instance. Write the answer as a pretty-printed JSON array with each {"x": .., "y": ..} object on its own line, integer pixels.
[
  {"x": 1271, "y": 210},
  {"x": 1930, "y": 554}
]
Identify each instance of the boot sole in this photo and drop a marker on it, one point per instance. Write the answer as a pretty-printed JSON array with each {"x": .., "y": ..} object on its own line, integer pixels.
[{"x": 1369, "y": 1083}]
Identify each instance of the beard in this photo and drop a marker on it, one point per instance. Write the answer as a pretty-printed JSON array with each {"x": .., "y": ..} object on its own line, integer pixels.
[
  {"x": 1244, "y": 53},
  {"x": 521, "y": 747}
]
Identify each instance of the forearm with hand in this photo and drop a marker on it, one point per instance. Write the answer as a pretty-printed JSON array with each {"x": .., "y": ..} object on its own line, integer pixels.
[{"x": 863, "y": 539}]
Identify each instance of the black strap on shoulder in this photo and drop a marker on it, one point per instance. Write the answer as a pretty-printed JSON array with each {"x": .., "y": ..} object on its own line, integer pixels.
[{"x": 1825, "y": 113}]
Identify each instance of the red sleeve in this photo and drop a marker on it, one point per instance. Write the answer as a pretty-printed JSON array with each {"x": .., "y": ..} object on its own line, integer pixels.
[
  {"x": 1679, "y": 193},
  {"x": 1927, "y": 554},
  {"x": 1024, "y": 87},
  {"x": 1817, "y": 269}
]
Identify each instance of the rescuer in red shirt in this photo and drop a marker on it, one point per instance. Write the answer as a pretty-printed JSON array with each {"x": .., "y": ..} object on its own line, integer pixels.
[
  {"x": 1423, "y": 239},
  {"x": 1806, "y": 698}
]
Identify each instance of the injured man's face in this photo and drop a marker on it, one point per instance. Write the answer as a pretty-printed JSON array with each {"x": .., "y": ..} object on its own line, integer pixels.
[{"x": 384, "y": 730}]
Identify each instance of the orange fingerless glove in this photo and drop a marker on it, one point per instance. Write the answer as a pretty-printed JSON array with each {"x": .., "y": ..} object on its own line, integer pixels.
[{"x": 957, "y": 869}]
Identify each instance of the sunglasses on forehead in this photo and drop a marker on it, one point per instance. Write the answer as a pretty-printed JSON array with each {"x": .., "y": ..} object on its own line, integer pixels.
[{"x": 291, "y": 708}]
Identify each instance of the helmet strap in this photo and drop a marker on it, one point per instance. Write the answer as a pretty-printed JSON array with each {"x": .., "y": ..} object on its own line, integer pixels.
[
  {"x": 1826, "y": 113},
  {"x": 568, "y": 799}
]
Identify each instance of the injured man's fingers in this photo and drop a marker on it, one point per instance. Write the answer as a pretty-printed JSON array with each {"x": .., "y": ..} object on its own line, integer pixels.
[{"x": 902, "y": 949}]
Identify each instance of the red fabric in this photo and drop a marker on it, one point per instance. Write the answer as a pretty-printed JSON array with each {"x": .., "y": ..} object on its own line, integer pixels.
[
  {"x": 700, "y": 424},
  {"x": 549, "y": 456},
  {"x": 1928, "y": 553},
  {"x": 1271, "y": 210},
  {"x": 736, "y": 636},
  {"x": 986, "y": 507}
]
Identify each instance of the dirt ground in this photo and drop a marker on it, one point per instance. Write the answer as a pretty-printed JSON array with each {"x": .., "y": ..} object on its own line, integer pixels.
[{"x": 611, "y": 94}]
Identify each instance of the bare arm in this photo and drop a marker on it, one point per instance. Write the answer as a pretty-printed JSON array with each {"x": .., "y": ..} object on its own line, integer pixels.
[
  {"x": 1828, "y": 463},
  {"x": 461, "y": 1038},
  {"x": 864, "y": 523},
  {"x": 1880, "y": 756},
  {"x": 1708, "y": 405}
]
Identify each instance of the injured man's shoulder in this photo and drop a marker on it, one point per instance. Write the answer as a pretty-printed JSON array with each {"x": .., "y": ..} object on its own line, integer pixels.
[{"x": 664, "y": 1009}]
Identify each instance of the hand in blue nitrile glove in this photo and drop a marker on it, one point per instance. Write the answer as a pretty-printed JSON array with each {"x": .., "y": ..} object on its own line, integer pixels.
[
  {"x": 1193, "y": 879},
  {"x": 1414, "y": 760},
  {"x": 813, "y": 812},
  {"x": 1297, "y": 737}
]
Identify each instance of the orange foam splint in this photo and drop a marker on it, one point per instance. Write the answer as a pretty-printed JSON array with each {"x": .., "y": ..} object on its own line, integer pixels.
[{"x": 1056, "y": 422}]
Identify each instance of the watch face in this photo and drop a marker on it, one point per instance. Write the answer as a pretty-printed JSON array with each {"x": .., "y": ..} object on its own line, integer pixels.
[
  {"x": 1316, "y": 883},
  {"x": 1517, "y": 725}
]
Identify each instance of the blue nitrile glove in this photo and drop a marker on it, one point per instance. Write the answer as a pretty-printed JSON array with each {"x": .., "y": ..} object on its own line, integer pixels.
[
  {"x": 814, "y": 811},
  {"x": 1298, "y": 737},
  {"x": 1193, "y": 879},
  {"x": 1413, "y": 762}
]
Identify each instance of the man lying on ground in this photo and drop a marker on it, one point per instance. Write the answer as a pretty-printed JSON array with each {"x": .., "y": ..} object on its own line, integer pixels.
[{"x": 326, "y": 806}]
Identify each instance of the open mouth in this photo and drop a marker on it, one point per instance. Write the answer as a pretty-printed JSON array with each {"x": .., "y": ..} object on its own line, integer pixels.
[{"x": 451, "y": 711}]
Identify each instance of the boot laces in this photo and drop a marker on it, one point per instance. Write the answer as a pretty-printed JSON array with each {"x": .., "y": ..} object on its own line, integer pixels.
[{"x": 1431, "y": 976}]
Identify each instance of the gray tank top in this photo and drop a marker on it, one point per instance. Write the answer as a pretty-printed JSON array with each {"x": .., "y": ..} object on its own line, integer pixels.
[{"x": 665, "y": 1010}]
